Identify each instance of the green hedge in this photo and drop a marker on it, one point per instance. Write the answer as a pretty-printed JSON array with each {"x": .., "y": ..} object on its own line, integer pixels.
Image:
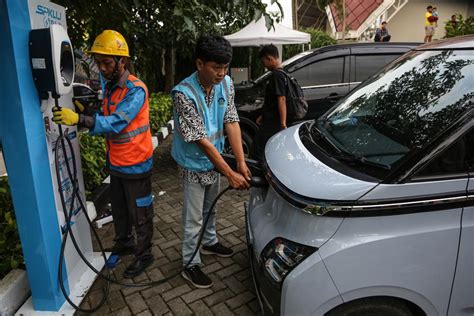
[
  {"x": 160, "y": 110},
  {"x": 463, "y": 27},
  {"x": 11, "y": 256}
]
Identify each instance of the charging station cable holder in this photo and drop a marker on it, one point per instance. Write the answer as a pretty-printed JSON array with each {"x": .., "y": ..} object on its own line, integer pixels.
[{"x": 52, "y": 61}]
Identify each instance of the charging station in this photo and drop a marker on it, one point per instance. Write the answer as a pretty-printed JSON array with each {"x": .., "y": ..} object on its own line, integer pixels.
[{"x": 38, "y": 59}]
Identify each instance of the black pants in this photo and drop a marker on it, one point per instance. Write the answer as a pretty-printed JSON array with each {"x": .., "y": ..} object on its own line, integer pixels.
[
  {"x": 264, "y": 133},
  {"x": 132, "y": 205}
]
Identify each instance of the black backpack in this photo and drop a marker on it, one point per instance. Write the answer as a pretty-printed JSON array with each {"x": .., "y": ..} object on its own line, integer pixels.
[{"x": 296, "y": 105}]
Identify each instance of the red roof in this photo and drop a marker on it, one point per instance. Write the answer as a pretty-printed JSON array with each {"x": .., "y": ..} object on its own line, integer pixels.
[{"x": 357, "y": 11}]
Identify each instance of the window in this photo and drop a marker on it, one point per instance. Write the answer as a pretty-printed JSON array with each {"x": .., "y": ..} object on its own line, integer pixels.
[
  {"x": 367, "y": 65},
  {"x": 457, "y": 158},
  {"x": 327, "y": 71}
]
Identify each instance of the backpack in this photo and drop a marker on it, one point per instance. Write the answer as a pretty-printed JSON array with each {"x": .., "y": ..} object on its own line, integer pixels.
[{"x": 296, "y": 105}]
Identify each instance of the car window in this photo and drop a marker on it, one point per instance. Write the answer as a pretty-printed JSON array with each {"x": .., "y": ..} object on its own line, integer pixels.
[
  {"x": 367, "y": 65},
  {"x": 327, "y": 71},
  {"x": 403, "y": 109},
  {"x": 457, "y": 158}
]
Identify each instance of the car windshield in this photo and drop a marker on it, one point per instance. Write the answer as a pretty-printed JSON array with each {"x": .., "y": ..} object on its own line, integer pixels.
[
  {"x": 400, "y": 110},
  {"x": 286, "y": 62}
]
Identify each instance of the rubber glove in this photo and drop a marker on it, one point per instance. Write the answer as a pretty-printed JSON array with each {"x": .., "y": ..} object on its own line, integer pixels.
[
  {"x": 65, "y": 116},
  {"x": 79, "y": 106}
]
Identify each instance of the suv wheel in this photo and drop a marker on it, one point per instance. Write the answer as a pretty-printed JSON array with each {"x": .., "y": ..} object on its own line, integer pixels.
[
  {"x": 372, "y": 307},
  {"x": 246, "y": 143}
]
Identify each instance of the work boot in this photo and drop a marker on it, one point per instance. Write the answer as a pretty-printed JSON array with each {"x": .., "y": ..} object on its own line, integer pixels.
[
  {"x": 197, "y": 278},
  {"x": 217, "y": 249},
  {"x": 121, "y": 250},
  {"x": 137, "y": 267}
]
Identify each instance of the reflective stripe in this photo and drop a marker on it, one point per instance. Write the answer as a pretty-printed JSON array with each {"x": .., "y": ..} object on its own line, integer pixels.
[
  {"x": 145, "y": 201},
  {"x": 196, "y": 96},
  {"x": 120, "y": 141},
  {"x": 130, "y": 134},
  {"x": 125, "y": 116},
  {"x": 216, "y": 136}
]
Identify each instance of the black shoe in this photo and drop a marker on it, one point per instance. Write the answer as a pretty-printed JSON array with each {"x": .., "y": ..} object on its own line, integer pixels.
[
  {"x": 197, "y": 278},
  {"x": 218, "y": 250},
  {"x": 137, "y": 267},
  {"x": 121, "y": 250}
]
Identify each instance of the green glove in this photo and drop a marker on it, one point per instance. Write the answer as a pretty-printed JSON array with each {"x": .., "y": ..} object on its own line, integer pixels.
[{"x": 65, "y": 116}]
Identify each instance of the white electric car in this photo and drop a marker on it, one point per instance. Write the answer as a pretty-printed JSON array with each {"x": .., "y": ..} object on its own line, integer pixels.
[{"x": 369, "y": 210}]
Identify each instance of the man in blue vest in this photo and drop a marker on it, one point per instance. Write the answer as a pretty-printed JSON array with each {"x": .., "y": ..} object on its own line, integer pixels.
[{"x": 203, "y": 108}]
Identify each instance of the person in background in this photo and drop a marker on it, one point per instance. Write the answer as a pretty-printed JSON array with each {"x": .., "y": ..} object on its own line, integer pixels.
[
  {"x": 436, "y": 15},
  {"x": 381, "y": 34},
  {"x": 203, "y": 108},
  {"x": 124, "y": 120},
  {"x": 430, "y": 22},
  {"x": 274, "y": 113},
  {"x": 454, "y": 21}
]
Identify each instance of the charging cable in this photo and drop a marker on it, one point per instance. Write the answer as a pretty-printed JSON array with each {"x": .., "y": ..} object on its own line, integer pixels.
[{"x": 62, "y": 140}]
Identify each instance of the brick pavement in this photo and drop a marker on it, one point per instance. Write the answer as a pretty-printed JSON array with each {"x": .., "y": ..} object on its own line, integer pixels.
[{"x": 232, "y": 292}]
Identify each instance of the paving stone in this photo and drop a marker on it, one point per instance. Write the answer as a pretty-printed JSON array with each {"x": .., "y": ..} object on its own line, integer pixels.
[
  {"x": 232, "y": 291},
  {"x": 221, "y": 309},
  {"x": 234, "y": 285},
  {"x": 244, "y": 311},
  {"x": 136, "y": 303},
  {"x": 240, "y": 300},
  {"x": 195, "y": 295},
  {"x": 199, "y": 308},
  {"x": 157, "y": 305},
  {"x": 176, "y": 292},
  {"x": 230, "y": 270},
  {"x": 218, "y": 297},
  {"x": 179, "y": 307},
  {"x": 145, "y": 313},
  {"x": 156, "y": 290},
  {"x": 125, "y": 311}
]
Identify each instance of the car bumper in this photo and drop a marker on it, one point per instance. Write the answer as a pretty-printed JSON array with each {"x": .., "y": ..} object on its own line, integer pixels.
[{"x": 268, "y": 295}]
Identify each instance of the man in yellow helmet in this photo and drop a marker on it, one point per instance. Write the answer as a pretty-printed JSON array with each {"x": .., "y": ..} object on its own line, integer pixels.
[{"x": 124, "y": 120}]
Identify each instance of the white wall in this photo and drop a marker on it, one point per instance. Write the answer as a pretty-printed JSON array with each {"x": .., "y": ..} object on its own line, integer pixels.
[{"x": 409, "y": 24}]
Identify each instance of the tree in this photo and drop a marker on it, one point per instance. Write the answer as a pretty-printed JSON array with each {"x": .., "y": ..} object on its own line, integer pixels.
[
  {"x": 155, "y": 29},
  {"x": 461, "y": 27}
]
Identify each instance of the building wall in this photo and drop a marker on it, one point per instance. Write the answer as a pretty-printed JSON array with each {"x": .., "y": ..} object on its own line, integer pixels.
[
  {"x": 408, "y": 25},
  {"x": 470, "y": 10}
]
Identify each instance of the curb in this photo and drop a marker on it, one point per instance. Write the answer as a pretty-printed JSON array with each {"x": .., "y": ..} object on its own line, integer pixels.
[
  {"x": 14, "y": 290},
  {"x": 164, "y": 132}
]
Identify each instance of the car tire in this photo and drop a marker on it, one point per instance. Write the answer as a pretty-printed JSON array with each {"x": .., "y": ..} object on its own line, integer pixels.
[
  {"x": 372, "y": 307},
  {"x": 246, "y": 143}
]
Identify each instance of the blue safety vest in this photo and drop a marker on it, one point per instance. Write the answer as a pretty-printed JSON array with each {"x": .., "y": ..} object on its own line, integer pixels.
[{"x": 190, "y": 155}]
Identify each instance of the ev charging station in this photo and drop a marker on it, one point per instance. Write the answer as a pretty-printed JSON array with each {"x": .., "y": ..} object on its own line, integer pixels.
[{"x": 37, "y": 61}]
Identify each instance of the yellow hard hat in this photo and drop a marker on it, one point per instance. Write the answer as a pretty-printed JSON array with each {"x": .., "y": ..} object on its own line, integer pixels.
[{"x": 110, "y": 43}]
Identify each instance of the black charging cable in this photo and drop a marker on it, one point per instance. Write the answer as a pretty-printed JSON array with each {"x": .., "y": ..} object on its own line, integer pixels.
[{"x": 62, "y": 140}]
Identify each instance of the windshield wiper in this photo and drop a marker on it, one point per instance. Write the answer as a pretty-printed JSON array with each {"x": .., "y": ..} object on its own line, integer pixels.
[
  {"x": 351, "y": 158},
  {"x": 312, "y": 127}
]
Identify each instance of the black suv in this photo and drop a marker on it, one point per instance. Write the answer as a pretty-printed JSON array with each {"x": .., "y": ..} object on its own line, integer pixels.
[{"x": 325, "y": 74}]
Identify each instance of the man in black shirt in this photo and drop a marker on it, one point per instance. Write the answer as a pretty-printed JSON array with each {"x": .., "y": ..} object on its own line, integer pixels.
[{"x": 273, "y": 118}]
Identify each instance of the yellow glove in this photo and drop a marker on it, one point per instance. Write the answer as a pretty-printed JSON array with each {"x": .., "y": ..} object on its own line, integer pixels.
[
  {"x": 65, "y": 116},
  {"x": 79, "y": 106}
]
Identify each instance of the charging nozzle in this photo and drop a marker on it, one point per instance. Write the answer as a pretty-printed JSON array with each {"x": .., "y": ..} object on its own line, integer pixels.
[{"x": 258, "y": 182}]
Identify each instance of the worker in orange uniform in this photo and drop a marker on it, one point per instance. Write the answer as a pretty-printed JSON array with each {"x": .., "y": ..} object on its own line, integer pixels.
[{"x": 124, "y": 120}]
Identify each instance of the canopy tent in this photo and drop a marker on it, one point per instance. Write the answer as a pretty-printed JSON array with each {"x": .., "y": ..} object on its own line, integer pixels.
[{"x": 256, "y": 34}]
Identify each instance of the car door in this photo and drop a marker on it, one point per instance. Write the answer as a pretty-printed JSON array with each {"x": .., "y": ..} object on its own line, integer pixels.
[
  {"x": 424, "y": 242},
  {"x": 323, "y": 80},
  {"x": 462, "y": 297}
]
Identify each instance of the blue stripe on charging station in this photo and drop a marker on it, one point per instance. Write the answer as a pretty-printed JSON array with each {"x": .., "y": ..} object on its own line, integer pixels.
[{"x": 24, "y": 146}]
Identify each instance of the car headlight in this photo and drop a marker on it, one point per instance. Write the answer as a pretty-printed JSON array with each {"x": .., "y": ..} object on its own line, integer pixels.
[{"x": 280, "y": 256}]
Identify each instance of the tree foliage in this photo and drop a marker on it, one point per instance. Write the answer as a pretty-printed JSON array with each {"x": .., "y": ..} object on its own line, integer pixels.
[
  {"x": 461, "y": 27},
  {"x": 153, "y": 27}
]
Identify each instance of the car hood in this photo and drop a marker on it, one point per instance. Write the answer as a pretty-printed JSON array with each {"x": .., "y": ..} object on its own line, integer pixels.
[{"x": 299, "y": 171}]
